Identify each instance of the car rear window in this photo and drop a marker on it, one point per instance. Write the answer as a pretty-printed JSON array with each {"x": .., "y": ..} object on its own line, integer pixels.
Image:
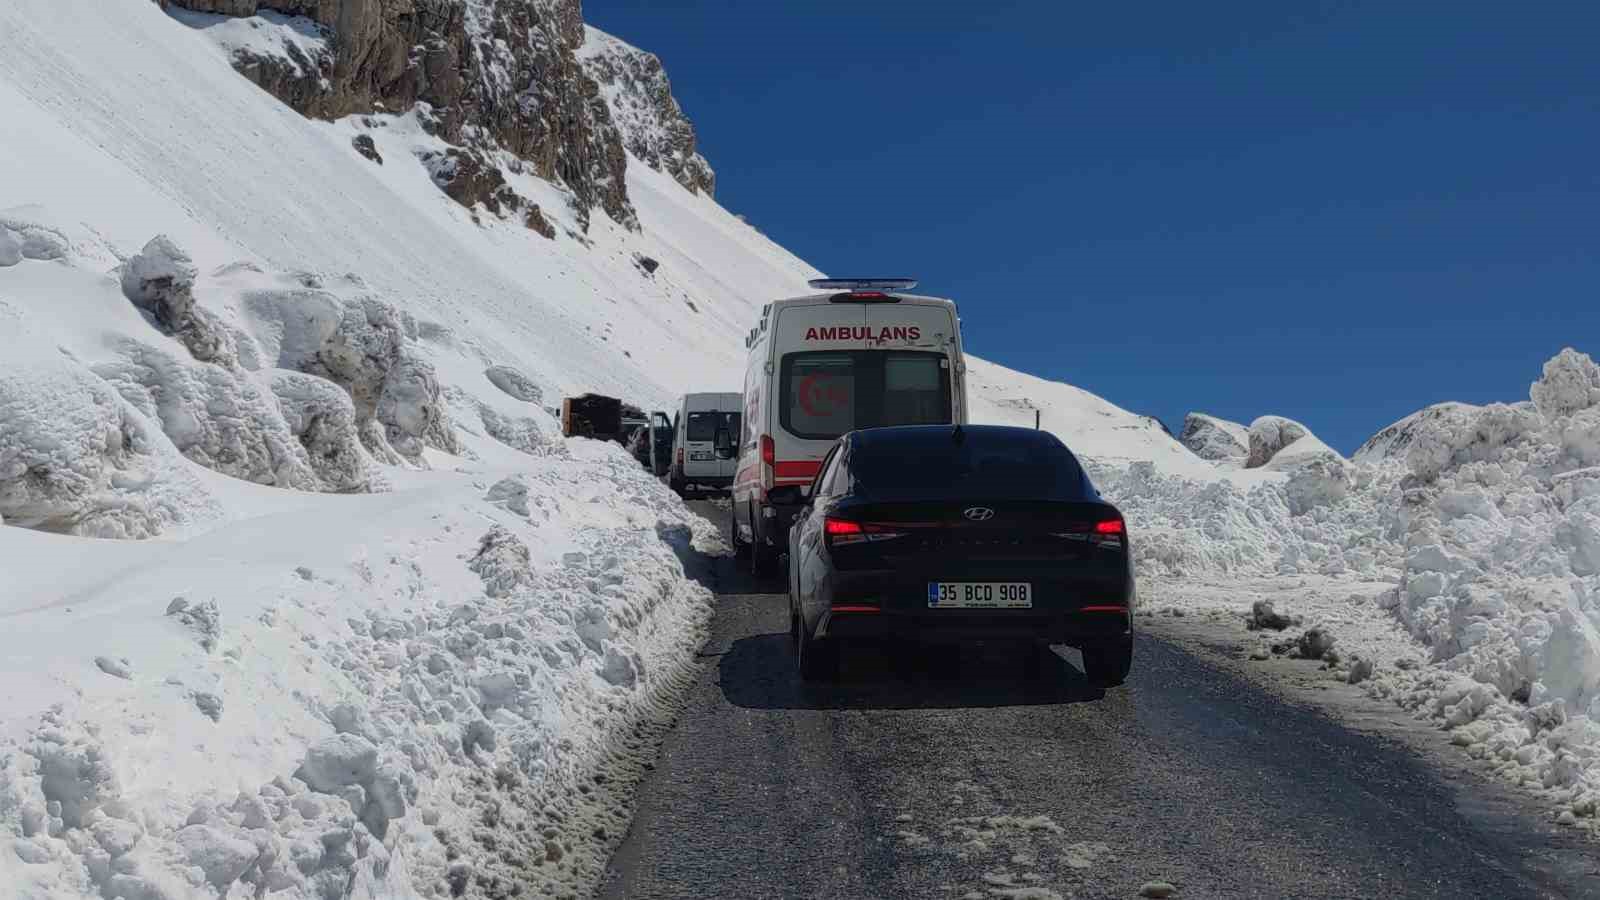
[
  {"x": 703, "y": 425},
  {"x": 1001, "y": 467},
  {"x": 828, "y": 393}
]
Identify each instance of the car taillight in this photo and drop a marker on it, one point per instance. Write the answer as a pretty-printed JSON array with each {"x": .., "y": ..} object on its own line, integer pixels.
[
  {"x": 769, "y": 453},
  {"x": 1103, "y": 533},
  {"x": 680, "y": 457},
  {"x": 841, "y": 532}
]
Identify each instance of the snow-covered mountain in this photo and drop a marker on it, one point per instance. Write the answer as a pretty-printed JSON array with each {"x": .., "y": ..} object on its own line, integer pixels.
[{"x": 287, "y": 291}]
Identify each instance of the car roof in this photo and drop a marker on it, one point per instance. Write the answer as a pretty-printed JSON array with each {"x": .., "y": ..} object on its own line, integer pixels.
[{"x": 911, "y": 434}]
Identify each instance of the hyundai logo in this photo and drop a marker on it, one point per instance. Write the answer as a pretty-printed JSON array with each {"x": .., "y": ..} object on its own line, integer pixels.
[{"x": 978, "y": 513}]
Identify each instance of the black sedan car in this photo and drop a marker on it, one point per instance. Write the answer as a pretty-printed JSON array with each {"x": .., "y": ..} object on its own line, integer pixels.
[{"x": 957, "y": 533}]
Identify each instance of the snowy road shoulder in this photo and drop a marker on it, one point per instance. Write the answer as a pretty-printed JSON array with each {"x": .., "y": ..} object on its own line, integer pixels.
[{"x": 1376, "y": 679}]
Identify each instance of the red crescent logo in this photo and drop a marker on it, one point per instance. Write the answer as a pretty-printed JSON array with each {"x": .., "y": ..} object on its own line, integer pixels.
[{"x": 819, "y": 398}]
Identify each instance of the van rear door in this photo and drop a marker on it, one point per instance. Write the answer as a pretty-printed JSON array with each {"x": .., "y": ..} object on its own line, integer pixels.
[
  {"x": 812, "y": 406},
  {"x": 844, "y": 366},
  {"x": 733, "y": 424},
  {"x": 699, "y": 451}
]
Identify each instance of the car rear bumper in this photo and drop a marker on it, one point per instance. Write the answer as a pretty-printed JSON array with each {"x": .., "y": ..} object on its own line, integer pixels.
[
  {"x": 1071, "y": 606},
  {"x": 712, "y": 481},
  {"x": 957, "y": 625}
]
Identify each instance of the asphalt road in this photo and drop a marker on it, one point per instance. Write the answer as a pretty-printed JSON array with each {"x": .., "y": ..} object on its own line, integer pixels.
[{"x": 925, "y": 775}]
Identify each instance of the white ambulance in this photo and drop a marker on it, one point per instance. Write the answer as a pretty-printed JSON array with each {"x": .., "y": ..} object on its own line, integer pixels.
[{"x": 860, "y": 355}]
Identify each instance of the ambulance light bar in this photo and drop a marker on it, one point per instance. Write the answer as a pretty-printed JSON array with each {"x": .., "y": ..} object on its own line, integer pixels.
[{"x": 863, "y": 284}]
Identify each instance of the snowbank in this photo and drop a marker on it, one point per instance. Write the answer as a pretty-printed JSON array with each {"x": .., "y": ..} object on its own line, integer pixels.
[
  {"x": 1500, "y": 517},
  {"x": 1300, "y": 524},
  {"x": 395, "y": 692},
  {"x": 1485, "y": 521}
]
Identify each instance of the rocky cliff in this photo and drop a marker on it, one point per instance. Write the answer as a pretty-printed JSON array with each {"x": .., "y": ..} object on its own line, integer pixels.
[
  {"x": 640, "y": 99},
  {"x": 493, "y": 77}
]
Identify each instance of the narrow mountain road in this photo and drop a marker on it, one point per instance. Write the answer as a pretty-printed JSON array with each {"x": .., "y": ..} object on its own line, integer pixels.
[{"x": 918, "y": 775}]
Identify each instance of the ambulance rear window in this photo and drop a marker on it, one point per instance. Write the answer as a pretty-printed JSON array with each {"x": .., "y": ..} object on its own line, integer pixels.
[{"x": 830, "y": 392}]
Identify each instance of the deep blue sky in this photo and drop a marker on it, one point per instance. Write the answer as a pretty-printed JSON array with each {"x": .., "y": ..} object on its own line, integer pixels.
[{"x": 1337, "y": 212}]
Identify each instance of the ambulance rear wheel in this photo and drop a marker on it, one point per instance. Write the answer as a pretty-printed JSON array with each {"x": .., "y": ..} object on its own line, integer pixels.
[
  {"x": 740, "y": 548},
  {"x": 763, "y": 558}
]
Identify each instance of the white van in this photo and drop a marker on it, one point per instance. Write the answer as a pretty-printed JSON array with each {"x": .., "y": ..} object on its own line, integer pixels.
[
  {"x": 696, "y": 425},
  {"x": 858, "y": 356}
]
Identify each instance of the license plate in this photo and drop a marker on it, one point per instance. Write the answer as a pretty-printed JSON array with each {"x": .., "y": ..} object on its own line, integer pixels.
[
  {"x": 980, "y": 595},
  {"x": 700, "y": 456}
]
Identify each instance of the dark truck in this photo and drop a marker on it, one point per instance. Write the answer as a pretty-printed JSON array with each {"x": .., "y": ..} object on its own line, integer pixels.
[{"x": 648, "y": 439}]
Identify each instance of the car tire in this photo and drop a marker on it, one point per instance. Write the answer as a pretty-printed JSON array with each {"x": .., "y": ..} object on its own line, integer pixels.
[
  {"x": 1107, "y": 665},
  {"x": 740, "y": 548},
  {"x": 817, "y": 658}
]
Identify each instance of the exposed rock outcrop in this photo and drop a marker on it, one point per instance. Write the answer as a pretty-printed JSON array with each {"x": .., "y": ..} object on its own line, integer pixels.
[
  {"x": 654, "y": 128},
  {"x": 1395, "y": 441},
  {"x": 473, "y": 178},
  {"x": 294, "y": 431},
  {"x": 412, "y": 412},
  {"x": 514, "y": 383},
  {"x": 1269, "y": 435},
  {"x": 160, "y": 280},
  {"x": 362, "y": 346},
  {"x": 364, "y": 145},
  {"x": 496, "y": 75},
  {"x": 323, "y": 418},
  {"x": 1215, "y": 439}
]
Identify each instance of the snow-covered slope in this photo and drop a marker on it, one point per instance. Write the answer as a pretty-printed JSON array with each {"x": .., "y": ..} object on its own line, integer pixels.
[{"x": 1091, "y": 426}]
